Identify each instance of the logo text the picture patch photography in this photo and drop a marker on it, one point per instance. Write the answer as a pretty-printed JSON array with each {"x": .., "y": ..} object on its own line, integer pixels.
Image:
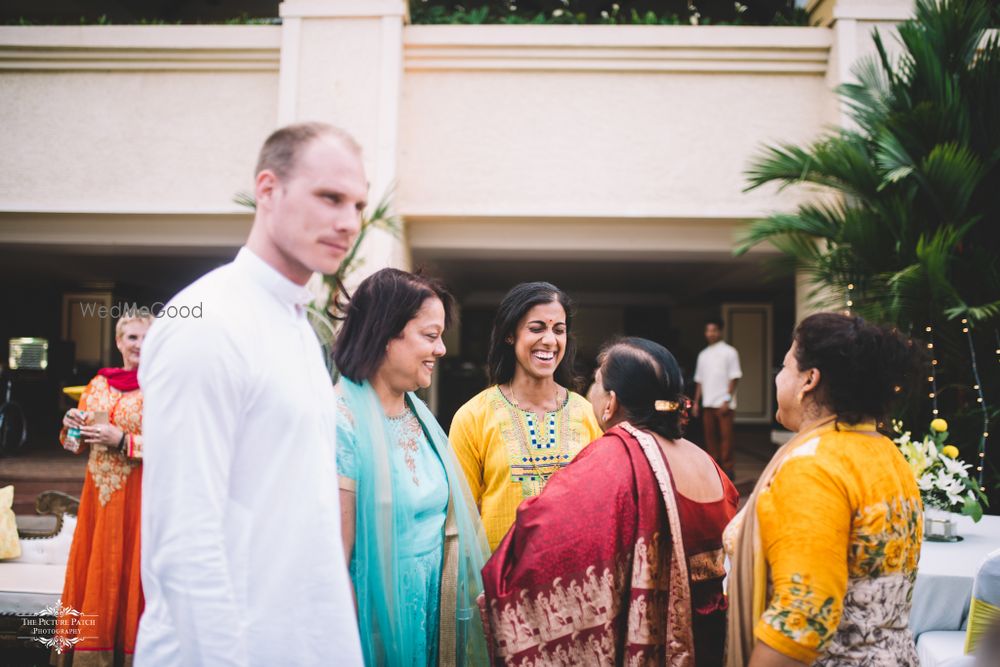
[{"x": 58, "y": 627}]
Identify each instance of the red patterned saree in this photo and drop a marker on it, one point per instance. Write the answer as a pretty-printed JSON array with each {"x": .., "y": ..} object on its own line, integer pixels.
[{"x": 592, "y": 573}]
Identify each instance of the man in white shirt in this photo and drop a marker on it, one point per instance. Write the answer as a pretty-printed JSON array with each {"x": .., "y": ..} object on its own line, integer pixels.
[
  {"x": 715, "y": 377},
  {"x": 242, "y": 560}
]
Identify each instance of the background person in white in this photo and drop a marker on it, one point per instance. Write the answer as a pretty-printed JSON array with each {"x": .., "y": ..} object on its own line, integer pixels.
[
  {"x": 715, "y": 376},
  {"x": 242, "y": 560}
]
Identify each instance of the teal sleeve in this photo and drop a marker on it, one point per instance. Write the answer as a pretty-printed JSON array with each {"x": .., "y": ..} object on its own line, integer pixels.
[{"x": 347, "y": 444}]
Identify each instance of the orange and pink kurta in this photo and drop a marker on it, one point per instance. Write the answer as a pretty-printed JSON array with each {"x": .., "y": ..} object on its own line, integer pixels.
[{"x": 102, "y": 575}]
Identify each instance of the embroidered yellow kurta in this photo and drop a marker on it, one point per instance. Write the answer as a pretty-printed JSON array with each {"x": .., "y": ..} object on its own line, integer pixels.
[
  {"x": 841, "y": 527},
  {"x": 508, "y": 455}
]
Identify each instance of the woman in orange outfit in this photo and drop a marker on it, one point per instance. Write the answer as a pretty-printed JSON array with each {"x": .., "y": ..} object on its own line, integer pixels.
[{"x": 102, "y": 575}]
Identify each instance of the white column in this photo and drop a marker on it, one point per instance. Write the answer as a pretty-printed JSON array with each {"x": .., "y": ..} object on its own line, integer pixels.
[{"x": 342, "y": 63}]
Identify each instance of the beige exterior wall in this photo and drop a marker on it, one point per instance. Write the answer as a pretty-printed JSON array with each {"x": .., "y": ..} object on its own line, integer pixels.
[
  {"x": 342, "y": 63},
  {"x": 599, "y": 138},
  {"x": 602, "y": 122},
  {"x": 157, "y": 119},
  {"x": 586, "y": 146}
]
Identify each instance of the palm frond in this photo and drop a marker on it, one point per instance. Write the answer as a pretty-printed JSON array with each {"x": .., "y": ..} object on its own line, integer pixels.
[
  {"x": 869, "y": 99},
  {"x": 839, "y": 161},
  {"x": 380, "y": 218},
  {"x": 892, "y": 157},
  {"x": 245, "y": 199},
  {"x": 952, "y": 173},
  {"x": 813, "y": 221},
  {"x": 975, "y": 314}
]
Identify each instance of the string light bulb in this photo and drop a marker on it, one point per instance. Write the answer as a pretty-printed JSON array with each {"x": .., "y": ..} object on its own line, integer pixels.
[
  {"x": 932, "y": 376},
  {"x": 980, "y": 399},
  {"x": 849, "y": 299}
]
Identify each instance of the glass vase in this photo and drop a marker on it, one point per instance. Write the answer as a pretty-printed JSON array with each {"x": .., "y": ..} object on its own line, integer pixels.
[{"x": 940, "y": 525}]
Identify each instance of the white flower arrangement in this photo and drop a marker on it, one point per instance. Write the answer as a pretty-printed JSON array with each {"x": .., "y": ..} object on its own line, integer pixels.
[{"x": 943, "y": 478}]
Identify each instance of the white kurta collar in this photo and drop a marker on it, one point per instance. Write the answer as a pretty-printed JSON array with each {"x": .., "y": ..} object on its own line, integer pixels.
[{"x": 271, "y": 279}]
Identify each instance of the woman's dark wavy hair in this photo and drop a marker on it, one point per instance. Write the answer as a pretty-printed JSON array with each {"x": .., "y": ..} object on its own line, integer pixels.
[
  {"x": 641, "y": 372},
  {"x": 515, "y": 305},
  {"x": 378, "y": 311},
  {"x": 863, "y": 367}
]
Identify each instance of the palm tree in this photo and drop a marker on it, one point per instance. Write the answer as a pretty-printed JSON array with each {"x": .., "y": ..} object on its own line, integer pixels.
[
  {"x": 913, "y": 226},
  {"x": 917, "y": 225}
]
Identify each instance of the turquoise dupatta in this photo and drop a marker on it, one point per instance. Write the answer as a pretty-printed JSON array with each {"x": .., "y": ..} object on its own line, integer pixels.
[{"x": 381, "y": 525}]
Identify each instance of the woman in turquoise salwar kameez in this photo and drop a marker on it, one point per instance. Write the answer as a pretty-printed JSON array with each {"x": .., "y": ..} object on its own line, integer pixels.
[{"x": 411, "y": 531}]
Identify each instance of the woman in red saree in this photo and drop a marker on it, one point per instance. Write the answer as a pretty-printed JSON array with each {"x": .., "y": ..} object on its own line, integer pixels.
[{"x": 619, "y": 561}]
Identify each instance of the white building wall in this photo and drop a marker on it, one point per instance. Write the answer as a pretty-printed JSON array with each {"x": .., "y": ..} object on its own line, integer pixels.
[
  {"x": 145, "y": 133},
  {"x": 133, "y": 118},
  {"x": 602, "y": 121}
]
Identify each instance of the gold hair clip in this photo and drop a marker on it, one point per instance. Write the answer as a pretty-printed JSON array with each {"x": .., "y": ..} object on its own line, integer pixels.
[{"x": 667, "y": 406}]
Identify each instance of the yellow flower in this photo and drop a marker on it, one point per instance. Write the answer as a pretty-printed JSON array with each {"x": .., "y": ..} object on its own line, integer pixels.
[
  {"x": 875, "y": 520},
  {"x": 939, "y": 425},
  {"x": 810, "y": 639},
  {"x": 795, "y": 621},
  {"x": 893, "y": 554},
  {"x": 951, "y": 451}
]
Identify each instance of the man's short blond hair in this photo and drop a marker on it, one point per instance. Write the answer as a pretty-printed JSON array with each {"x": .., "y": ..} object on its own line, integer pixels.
[
  {"x": 138, "y": 315},
  {"x": 281, "y": 150}
]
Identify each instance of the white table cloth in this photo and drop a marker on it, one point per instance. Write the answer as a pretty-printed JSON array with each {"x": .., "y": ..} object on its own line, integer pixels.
[
  {"x": 943, "y": 648},
  {"x": 945, "y": 574},
  {"x": 27, "y": 588}
]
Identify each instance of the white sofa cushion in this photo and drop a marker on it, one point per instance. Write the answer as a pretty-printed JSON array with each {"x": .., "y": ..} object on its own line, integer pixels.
[{"x": 49, "y": 550}]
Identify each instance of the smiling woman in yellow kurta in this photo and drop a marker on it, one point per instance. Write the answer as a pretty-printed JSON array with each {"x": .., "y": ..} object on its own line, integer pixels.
[
  {"x": 508, "y": 456},
  {"x": 513, "y": 436}
]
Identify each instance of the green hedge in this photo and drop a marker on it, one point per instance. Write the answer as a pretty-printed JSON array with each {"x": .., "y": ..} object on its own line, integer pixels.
[{"x": 620, "y": 12}]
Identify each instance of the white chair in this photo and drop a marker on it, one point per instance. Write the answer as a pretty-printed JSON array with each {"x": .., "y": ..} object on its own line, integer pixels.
[
  {"x": 938, "y": 648},
  {"x": 984, "y": 610},
  {"x": 951, "y": 648}
]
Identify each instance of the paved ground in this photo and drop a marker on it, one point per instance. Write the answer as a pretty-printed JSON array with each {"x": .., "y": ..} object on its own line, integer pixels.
[{"x": 753, "y": 451}]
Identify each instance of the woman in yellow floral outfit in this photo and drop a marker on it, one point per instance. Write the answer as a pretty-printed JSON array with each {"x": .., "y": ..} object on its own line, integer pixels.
[
  {"x": 102, "y": 575},
  {"x": 838, "y": 488}
]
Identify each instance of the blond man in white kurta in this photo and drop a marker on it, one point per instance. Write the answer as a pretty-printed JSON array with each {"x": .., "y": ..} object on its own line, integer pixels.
[{"x": 242, "y": 559}]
